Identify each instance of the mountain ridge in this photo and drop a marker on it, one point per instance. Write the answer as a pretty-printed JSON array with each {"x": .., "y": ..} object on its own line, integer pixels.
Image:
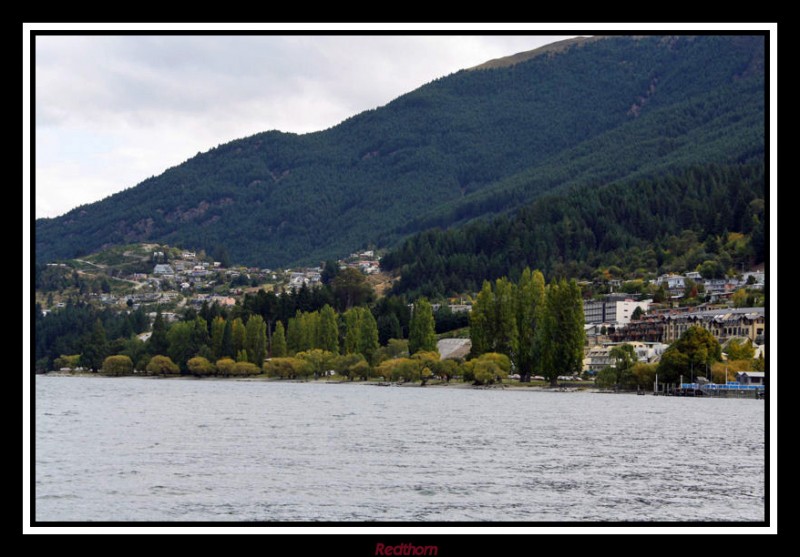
[{"x": 462, "y": 147}]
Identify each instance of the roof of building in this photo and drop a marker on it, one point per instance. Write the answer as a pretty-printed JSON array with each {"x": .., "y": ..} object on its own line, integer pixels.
[
  {"x": 721, "y": 314},
  {"x": 451, "y": 348}
]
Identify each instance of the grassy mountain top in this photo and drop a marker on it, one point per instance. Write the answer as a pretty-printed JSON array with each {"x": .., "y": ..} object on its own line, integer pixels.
[{"x": 548, "y": 49}]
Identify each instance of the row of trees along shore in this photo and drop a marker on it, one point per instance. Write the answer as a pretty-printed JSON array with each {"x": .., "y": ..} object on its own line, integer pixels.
[
  {"x": 250, "y": 340},
  {"x": 311, "y": 344},
  {"x": 398, "y": 366},
  {"x": 696, "y": 353},
  {"x": 528, "y": 327}
]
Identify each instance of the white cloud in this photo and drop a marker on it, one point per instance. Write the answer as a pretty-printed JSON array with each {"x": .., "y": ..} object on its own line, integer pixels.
[{"x": 114, "y": 110}]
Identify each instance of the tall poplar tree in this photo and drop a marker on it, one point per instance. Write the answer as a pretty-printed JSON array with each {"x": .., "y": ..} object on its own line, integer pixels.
[
  {"x": 328, "y": 330},
  {"x": 256, "y": 340},
  {"x": 530, "y": 312},
  {"x": 562, "y": 333},
  {"x": 422, "y": 330},
  {"x": 540, "y": 329},
  {"x": 352, "y": 336},
  {"x": 505, "y": 310},
  {"x": 217, "y": 336},
  {"x": 237, "y": 335},
  {"x": 480, "y": 321},
  {"x": 294, "y": 335},
  {"x": 182, "y": 342},
  {"x": 368, "y": 335},
  {"x": 309, "y": 330},
  {"x": 493, "y": 321},
  {"x": 278, "y": 341}
]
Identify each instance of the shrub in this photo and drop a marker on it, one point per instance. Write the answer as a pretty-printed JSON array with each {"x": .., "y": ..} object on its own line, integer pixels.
[
  {"x": 245, "y": 368},
  {"x": 162, "y": 365},
  {"x": 200, "y": 366},
  {"x": 225, "y": 366},
  {"x": 117, "y": 365}
]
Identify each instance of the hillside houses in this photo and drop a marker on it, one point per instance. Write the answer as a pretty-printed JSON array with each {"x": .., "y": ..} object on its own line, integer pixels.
[
  {"x": 225, "y": 301},
  {"x": 308, "y": 277},
  {"x": 714, "y": 287},
  {"x": 164, "y": 270},
  {"x": 671, "y": 281}
]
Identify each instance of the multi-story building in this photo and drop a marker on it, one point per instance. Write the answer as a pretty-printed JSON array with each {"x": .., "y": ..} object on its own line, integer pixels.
[
  {"x": 597, "y": 358},
  {"x": 595, "y": 312},
  {"x": 614, "y": 311},
  {"x": 722, "y": 323},
  {"x": 626, "y": 308},
  {"x": 648, "y": 329}
]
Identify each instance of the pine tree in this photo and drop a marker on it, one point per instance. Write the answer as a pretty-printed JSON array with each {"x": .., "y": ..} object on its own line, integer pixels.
[
  {"x": 227, "y": 341},
  {"x": 278, "y": 341},
  {"x": 96, "y": 347},
  {"x": 389, "y": 328},
  {"x": 422, "y": 331},
  {"x": 158, "y": 344},
  {"x": 200, "y": 337}
]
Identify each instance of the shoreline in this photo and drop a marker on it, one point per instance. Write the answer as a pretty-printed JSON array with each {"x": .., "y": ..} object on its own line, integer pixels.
[{"x": 263, "y": 379}]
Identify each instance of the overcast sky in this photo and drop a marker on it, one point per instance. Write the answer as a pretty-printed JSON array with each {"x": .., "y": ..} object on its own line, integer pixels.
[{"x": 112, "y": 111}]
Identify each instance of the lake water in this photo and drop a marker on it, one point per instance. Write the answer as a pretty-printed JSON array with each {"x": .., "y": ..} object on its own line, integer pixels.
[{"x": 140, "y": 449}]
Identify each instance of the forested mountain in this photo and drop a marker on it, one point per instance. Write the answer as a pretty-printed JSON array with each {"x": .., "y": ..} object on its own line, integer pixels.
[
  {"x": 710, "y": 217},
  {"x": 481, "y": 142}
]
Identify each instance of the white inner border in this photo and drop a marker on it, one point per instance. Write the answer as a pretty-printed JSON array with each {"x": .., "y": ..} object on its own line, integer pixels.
[{"x": 422, "y": 28}]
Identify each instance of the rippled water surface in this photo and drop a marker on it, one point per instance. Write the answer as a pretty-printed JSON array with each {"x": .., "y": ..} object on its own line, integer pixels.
[{"x": 130, "y": 449}]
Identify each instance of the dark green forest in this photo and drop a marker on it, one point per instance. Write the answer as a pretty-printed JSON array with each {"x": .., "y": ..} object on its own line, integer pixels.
[
  {"x": 638, "y": 112},
  {"x": 675, "y": 223}
]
